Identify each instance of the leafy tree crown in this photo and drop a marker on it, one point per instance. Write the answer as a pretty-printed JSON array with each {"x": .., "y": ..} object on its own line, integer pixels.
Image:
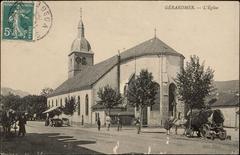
[
  {"x": 194, "y": 83},
  {"x": 142, "y": 90},
  {"x": 109, "y": 97},
  {"x": 70, "y": 106}
]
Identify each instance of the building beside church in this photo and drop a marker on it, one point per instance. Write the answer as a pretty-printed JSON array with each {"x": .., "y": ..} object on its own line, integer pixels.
[
  {"x": 228, "y": 103},
  {"x": 85, "y": 79}
]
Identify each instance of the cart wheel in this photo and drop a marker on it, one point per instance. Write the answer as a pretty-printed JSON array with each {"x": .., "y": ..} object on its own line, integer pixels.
[
  {"x": 222, "y": 135},
  {"x": 205, "y": 130}
]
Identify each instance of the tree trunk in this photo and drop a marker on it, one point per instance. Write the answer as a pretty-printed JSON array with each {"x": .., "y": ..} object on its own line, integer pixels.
[
  {"x": 141, "y": 116},
  {"x": 190, "y": 120},
  {"x": 71, "y": 119}
]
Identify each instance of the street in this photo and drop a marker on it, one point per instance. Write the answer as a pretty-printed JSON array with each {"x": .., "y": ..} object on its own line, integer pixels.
[{"x": 62, "y": 140}]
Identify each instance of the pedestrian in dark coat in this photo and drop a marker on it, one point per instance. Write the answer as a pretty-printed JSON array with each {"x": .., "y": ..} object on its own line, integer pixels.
[
  {"x": 119, "y": 123},
  {"x": 138, "y": 125},
  {"x": 21, "y": 123},
  {"x": 98, "y": 124},
  {"x": 168, "y": 124}
]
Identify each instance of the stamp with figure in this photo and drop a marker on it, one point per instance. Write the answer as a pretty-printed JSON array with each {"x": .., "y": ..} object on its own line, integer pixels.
[
  {"x": 17, "y": 22},
  {"x": 29, "y": 21}
]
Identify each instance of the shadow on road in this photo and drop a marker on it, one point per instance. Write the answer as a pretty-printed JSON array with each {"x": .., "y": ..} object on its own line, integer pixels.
[{"x": 50, "y": 143}]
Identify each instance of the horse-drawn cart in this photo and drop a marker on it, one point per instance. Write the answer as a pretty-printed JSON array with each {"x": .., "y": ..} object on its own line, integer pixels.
[{"x": 207, "y": 123}]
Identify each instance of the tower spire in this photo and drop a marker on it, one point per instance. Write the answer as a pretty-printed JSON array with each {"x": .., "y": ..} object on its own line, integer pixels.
[
  {"x": 80, "y": 13},
  {"x": 155, "y": 32},
  {"x": 80, "y": 26}
]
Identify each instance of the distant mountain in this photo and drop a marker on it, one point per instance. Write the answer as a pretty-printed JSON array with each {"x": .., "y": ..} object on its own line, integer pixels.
[
  {"x": 5, "y": 91},
  {"x": 227, "y": 86}
]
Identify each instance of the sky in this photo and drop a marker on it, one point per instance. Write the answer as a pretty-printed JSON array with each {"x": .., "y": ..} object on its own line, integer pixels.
[{"x": 213, "y": 35}]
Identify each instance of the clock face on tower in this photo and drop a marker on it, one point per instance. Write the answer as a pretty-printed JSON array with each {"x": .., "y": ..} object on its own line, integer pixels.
[{"x": 78, "y": 60}]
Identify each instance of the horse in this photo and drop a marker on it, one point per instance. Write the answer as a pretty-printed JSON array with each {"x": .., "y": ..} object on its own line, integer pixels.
[{"x": 179, "y": 123}]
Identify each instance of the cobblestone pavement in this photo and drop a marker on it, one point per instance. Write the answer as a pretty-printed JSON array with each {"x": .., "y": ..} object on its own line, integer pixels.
[{"x": 151, "y": 140}]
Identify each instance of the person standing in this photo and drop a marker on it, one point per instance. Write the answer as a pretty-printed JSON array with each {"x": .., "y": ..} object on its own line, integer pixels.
[
  {"x": 47, "y": 121},
  {"x": 98, "y": 123},
  {"x": 108, "y": 122},
  {"x": 21, "y": 123},
  {"x": 168, "y": 124},
  {"x": 138, "y": 125},
  {"x": 82, "y": 120},
  {"x": 119, "y": 123}
]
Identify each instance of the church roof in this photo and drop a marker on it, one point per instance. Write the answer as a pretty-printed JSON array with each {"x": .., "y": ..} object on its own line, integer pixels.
[
  {"x": 153, "y": 46},
  {"x": 80, "y": 44},
  {"x": 92, "y": 74},
  {"x": 226, "y": 100}
]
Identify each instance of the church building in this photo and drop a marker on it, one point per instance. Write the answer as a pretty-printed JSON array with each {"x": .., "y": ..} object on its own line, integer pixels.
[{"x": 85, "y": 79}]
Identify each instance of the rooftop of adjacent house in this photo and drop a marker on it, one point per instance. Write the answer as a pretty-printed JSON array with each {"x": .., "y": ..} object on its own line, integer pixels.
[
  {"x": 226, "y": 100},
  {"x": 92, "y": 74}
]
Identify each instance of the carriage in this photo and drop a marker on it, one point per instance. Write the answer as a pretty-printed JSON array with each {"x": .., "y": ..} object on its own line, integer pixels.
[
  {"x": 8, "y": 121},
  {"x": 207, "y": 123}
]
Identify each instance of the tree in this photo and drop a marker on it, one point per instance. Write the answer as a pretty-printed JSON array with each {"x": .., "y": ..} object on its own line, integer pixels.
[
  {"x": 34, "y": 104},
  {"x": 11, "y": 101},
  {"x": 194, "y": 84},
  {"x": 109, "y": 98},
  {"x": 142, "y": 91},
  {"x": 70, "y": 106},
  {"x": 46, "y": 91}
]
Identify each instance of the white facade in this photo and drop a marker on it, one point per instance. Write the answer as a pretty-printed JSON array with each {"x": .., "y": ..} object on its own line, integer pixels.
[
  {"x": 85, "y": 112},
  {"x": 164, "y": 69}
]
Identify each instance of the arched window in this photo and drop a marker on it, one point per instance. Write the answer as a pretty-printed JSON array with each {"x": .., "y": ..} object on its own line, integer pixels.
[
  {"x": 61, "y": 102},
  {"x": 86, "y": 105},
  {"x": 79, "y": 107}
]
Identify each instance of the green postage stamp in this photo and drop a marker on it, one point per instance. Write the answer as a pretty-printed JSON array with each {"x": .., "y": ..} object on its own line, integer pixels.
[
  {"x": 17, "y": 22},
  {"x": 27, "y": 21}
]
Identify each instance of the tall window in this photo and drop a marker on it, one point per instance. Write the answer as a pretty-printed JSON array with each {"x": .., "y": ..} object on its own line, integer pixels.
[
  {"x": 79, "y": 107},
  {"x": 56, "y": 103},
  {"x": 52, "y": 103},
  {"x": 86, "y": 104},
  {"x": 61, "y": 102}
]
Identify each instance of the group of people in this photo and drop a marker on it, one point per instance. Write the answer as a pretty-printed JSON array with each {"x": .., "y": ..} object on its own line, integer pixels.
[
  {"x": 119, "y": 123},
  {"x": 9, "y": 119},
  {"x": 108, "y": 123}
]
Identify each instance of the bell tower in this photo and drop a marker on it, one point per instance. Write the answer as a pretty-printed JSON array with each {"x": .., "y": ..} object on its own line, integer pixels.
[{"x": 80, "y": 55}]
